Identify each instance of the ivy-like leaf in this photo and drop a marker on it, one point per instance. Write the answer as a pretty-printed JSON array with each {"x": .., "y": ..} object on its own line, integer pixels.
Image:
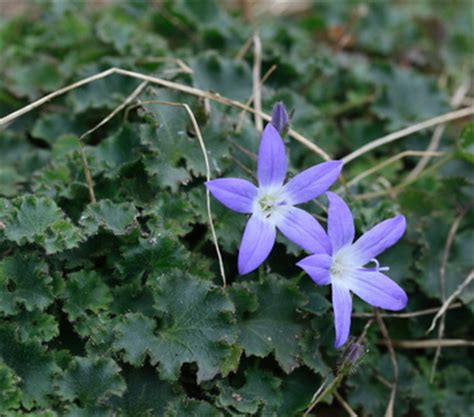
[
  {"x": 146, "y": 395},
  {"x": 91, "y": 381},
  {"x": 85, "y": 291},
  {"x": 192, "y": 408},
  {"x": 10, "y": 394},
  {"x": 260, "y": 392},
  {"x": 24, "y": 279},
  {"x": 135, "y": 337},
  {"x": 32, "y": 364},
  {"x": 197, "y": 326},
  {"x": 273, "y": 326},
  {"x": 114, "y": 217},
  {"x": 40, "y": 220}
]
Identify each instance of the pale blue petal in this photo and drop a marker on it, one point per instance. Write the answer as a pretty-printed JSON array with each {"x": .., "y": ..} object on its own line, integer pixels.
[
  {"x": 342, "y": 305},
  {"x": 304, "y": 230},
  {"x": 377, "y": 289},
  {"x": 313, "y": 181},
  {"x": 257, "y": 243},
  {"x": 272, "y": 161},
  {"x": 234, "y": 193},
  {"x": 377, "y": 239},
  {"x": 340, "y": 222},
  {"x": 317, "y": 267}
]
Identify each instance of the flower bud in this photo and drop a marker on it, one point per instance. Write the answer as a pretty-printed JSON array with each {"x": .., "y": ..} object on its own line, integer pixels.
[{"x": 280, "y": 119}]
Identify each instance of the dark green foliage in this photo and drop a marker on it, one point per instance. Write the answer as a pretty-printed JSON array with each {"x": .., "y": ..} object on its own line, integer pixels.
[{"x": 115, "y": 307}]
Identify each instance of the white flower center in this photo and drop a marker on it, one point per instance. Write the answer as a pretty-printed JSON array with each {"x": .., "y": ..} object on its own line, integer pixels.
[
  {"x": 343, "y": 262},
  {"x": 270, "y": 202}
]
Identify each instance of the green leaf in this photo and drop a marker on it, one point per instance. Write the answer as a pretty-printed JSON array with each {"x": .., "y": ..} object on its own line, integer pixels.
[
  {"x": 197, "y": 326},
  {"x": 274, "y": 325},
  {"x": 25, "y": 280},
  {"x": 229, "y": 78},
  {"x": 146, "y": 395},
  {"x": 10, "y": 394},
  {"x": 85, "y": 291},
  {"x": 91, "y": 381},
  {"x": 117, "y": 218},
  {"x": 36, "y": 325},
  {"x": 466, "y": 143},
  {"x": 32, "y": 364},
  {"x": 261, "y": 391},
  {"x": 192, "y": 408},
  {"x": 40, "y": 220},
  {"x": 135, "y": 336}
]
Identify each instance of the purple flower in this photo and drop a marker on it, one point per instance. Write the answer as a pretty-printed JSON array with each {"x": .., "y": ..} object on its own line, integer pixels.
[
  {"x": 280, "y": 119},
  {"x": 344, "y": 268},
  {"x": 271, "y": 204}
]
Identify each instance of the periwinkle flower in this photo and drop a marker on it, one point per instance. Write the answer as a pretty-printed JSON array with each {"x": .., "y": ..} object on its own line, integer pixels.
[
  {"x": 272, "y": 203},
  {"x": 280, "y": 119},
  {"x": 343, "y": 266}
]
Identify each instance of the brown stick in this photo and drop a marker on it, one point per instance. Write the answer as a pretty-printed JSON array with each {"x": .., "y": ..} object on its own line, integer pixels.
[
  {"x": 165, "y": 83},
  {"x": 458, "y": 114},
  {"x": 430, "y": 343}
]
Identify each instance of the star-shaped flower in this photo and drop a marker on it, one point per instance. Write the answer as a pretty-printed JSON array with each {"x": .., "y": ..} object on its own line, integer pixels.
[
  {"x": 272, "y": 203},
  {"x": 344, "y": 269}
]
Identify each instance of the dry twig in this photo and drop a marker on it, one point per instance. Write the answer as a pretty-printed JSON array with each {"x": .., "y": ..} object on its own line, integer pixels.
[
  {"x": 393, "y": 359},
  {"x": 446, "y": 305},
  {"x": 408, "y": 315},
  {"x": 257, "y": 92},
  {"x": 208, "y": 177},
  {"x": 458, "y": 114},
  {"x": 442, "y": 278},
  {"x": 165, "y": 83},
  {"x": 430, "y": 343}
]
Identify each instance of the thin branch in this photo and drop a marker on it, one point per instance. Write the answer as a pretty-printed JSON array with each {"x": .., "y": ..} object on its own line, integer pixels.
[
  {"x": 244, "y": 49},
  {"x": 418, "y": 313},
  {"x": 345, "y": 405},
  {"x": 456, "y": 101},
  {"x": 389, "y": 161},
  {"x": 87, "y": 173},
  {"x": 208, "y": 177},
  {"x": 458, "y": 114},
  {"x": 165, "y": 83},
  {"x": 446, "y": 305},
  {"x": 430, "y": 343},
  {"x": 393, "y": 359},
  {"x": 257, "y": 92},
  {"x": 442, "y": 278},
  {"x": 265, "y": 77}
]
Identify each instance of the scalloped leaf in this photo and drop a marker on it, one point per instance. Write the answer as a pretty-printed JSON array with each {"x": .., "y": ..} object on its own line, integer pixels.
[
  {"x": 85, "y": 291},
  {"x": 117, "y": 218},
  {"x": 273, "y": 325},
  {"x": 192, "y": 408},
  {"x": 32, "y": 364},
  {"x": 25, "y": 280},
  {"x": 135, "y": 337},
  {"x": 197, "y": 325},
  {"x": 91, "y": 381},
  {"x": 39, "y": 220}
]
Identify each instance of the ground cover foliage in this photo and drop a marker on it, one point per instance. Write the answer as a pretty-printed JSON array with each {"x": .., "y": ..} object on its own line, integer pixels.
[{"x": 116, "y": 307}]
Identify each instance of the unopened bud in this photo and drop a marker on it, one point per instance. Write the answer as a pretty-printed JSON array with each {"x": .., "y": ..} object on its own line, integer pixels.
[{"x": 280, "y": 119}]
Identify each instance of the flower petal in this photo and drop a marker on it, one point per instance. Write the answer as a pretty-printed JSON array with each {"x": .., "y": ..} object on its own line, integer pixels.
[
  {"x": 342, "y": 305},
  {"x": 377, "y": 239},
  {"x": 340, "y": 222},
  {"x": 304, "y": 230},
  {"x": 313, "y": 181},
  {"x": 317, "y": 267},
  {"x": 272, "y": 161},
  {"x": 377, "y": 289},
  {"x": 234, "y": 193},
  {"x": 257, "y": 243}
]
